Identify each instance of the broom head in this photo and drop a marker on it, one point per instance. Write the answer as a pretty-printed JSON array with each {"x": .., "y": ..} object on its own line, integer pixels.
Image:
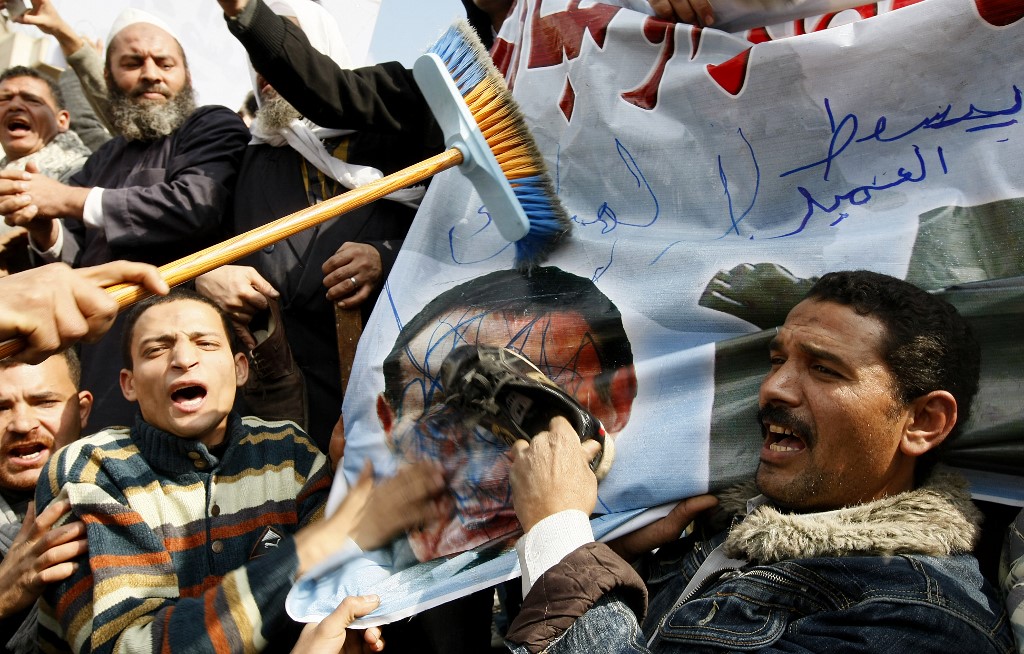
[{"x": 479, "y": 117}]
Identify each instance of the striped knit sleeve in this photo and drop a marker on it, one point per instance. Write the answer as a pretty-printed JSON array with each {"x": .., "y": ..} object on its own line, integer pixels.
[
  {"x": 129, "y": 596},
  {"x": 126, "y": 597},
  {"x": 312, "y": 471}
]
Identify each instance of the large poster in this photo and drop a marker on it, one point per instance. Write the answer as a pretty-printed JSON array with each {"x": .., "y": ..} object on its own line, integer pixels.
[{"x": 711, "y": 178}]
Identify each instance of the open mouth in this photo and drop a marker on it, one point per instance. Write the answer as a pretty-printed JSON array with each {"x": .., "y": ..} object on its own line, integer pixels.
[
  {"x": 188, "y": 397},
  {"x": 783, "y": 439},
  {"x": 18, "y": 125},
  {"x": 28, "y": 453}
]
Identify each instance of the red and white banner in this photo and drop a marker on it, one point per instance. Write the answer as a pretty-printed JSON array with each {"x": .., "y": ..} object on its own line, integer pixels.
[{"x": 711, "y": 176}]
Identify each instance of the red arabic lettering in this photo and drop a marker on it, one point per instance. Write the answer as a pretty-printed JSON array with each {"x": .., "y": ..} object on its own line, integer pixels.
[
  {"x": 731, "y": 74},
  {"x": 656, "y": 31},
  {"x": 1000, "y": 13},
  {"x": 805, "y": 26},
  {"x": 560, "y": 35}
]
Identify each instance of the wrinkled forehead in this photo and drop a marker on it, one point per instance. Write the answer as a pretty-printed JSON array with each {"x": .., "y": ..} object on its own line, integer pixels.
[
  {"x": 833, "y": 330},
  {"x": 181, "y": 315},
  {"x": 556, "y": 342},
  {"x": 30, "y": 85},
  {"x": 18, "y": 378},
  {"x": 144, "y": 39}
]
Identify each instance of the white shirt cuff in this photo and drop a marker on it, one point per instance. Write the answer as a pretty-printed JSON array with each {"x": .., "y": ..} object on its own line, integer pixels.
[
  {"x": 92, "y": 212},
  {"x": 52, "y": 254},
  {"x": 550, "y": 541}
]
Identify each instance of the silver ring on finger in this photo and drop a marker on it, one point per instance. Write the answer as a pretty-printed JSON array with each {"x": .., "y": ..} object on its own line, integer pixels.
[{"x": 355, "y": 284}]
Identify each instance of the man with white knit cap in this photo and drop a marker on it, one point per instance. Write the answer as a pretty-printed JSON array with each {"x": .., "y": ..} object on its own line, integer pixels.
[
  {"x": 294, "y": 161},
  {"x": 154, "y": 193}
]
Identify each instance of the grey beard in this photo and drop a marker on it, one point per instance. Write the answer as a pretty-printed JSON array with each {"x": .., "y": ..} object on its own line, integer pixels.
[
  {"x": 274, "y": 114},
  {"x": 148, "y": 121}
]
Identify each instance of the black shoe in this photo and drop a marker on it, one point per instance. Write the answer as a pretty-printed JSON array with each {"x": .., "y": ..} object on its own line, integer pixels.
[{"x": 513, "y": 399}]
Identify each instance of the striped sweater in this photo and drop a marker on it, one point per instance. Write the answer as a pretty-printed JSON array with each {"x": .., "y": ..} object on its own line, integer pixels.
[{"x": 180, "y": 557}]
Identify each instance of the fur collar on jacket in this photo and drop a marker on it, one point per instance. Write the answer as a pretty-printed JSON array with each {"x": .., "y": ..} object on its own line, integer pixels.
[{"x": 937, "y": 519}]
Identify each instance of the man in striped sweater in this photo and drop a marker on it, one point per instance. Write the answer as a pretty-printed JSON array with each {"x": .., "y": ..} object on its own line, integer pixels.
[{"x": 197, "y": 519}]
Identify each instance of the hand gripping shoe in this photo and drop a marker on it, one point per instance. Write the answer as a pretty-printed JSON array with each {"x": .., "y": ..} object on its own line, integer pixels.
[{"x": 509, "y": 396}]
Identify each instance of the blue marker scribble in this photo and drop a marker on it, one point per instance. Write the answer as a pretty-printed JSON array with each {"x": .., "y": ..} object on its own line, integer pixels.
[
  {"x": 391, "y": 303},
  {"x": 663, "y": 252},
  {"x": 859, "y": 195},
  {"x": 481, "y": 211},
  {"x": 992, "y": 126},
  {"x": 845, "y": 131},
  {"x": 734, "y": 221},
  {"x": 942, "y": 120},
  {"x": 606, "y": 216},
  {"x": 472, "y": 325},
  {"x": 833, "y": 151},
  {"x": 601, "y": 270}
]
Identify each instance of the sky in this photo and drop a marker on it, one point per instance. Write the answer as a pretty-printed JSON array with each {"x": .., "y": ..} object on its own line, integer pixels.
[{"x": 406, "y": 28}]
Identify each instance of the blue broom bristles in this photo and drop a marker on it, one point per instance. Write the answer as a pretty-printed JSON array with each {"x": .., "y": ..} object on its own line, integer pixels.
[
  {"x": 461, "y": 59},
  {"x": 470, "y": 65}
]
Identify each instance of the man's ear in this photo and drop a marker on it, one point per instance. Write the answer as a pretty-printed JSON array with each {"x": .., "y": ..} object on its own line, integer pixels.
[
  {"x": 63, "y": 120},
  {"x": 929, "y": 420},
  {"x": 622, "y": 390},
  {"x": 84, "y": 407},
  {"x": 241, "y": 369},
  {"x": 385, "y": 414},
  {"x": 336, "y": 448},
  {"x": 127, "y": 380}
]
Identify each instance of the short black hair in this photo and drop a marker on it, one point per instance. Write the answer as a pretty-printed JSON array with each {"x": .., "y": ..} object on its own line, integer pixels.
[
  {"x": 927, "y": 345},
  {"x": 25, "y": 71},
  {"x": 74, "y": 366},
  {"x": 538, "y": 293},
  {"x": 70, "y": 358},
  {"x": 177, "y": 294}
]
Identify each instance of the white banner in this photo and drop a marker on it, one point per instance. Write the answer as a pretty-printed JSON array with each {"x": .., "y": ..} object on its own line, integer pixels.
[{"x": 710, "y": 180}]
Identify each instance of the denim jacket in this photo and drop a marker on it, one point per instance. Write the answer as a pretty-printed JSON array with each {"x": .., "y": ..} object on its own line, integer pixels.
[{"x": 887, "y": 576}]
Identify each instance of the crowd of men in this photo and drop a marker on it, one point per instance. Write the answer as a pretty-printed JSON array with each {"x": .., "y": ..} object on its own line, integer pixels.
[{"x": 181, "y": 520}]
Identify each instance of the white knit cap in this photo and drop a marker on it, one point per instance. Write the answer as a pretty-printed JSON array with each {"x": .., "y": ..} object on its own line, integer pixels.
[{"x": 131, "y": 16}]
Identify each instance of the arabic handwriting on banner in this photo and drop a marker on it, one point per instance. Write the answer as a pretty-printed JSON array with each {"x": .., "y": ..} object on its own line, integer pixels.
[{"x": 845, "y": 132}]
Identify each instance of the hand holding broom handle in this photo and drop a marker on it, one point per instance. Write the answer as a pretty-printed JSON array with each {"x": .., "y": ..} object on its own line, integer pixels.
[
  {"x": 235, "y": 248},
  {"x": 186, "y": 268}
]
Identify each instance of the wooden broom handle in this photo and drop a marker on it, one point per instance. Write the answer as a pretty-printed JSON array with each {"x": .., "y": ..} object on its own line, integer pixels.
[{"x": 193, "y": 265}]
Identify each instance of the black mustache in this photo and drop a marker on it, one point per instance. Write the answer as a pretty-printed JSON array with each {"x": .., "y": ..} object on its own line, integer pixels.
[{"x": 783, "y": 417}]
